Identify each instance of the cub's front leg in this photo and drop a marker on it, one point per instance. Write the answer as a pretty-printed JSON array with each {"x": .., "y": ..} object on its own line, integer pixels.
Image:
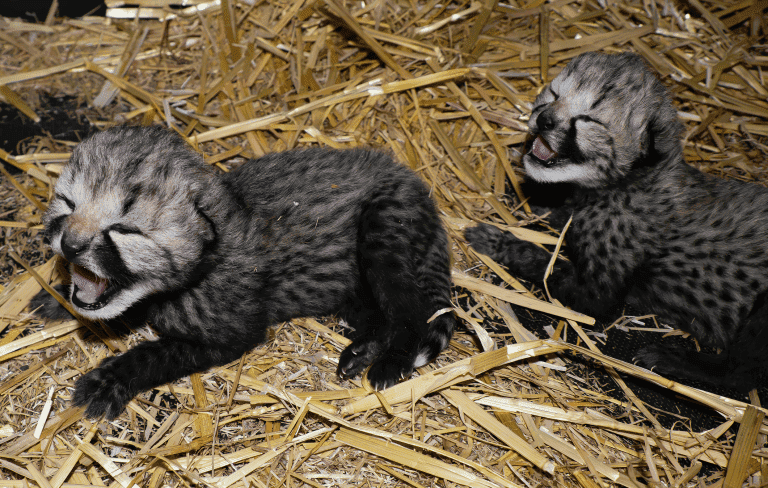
[
  {"x": 583, "y": 286},
  {"x": 107, "y": 389},
  {"x": 46, "y": 307},
  {"x": 524, "y": 259}
]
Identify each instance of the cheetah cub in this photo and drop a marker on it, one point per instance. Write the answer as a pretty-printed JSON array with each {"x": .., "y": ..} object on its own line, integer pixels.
[
  {"x": 647, "y": 228},
  {"x": 213, "y": 260}
]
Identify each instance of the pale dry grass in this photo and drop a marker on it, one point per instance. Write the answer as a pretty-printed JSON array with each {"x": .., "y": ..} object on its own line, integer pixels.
[{"x": 445, "y": 87}]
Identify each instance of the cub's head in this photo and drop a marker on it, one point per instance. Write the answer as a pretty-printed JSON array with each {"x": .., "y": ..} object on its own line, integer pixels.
[
  {"x": 126, "y": 215},
  {"x": 602, "y": 116}
]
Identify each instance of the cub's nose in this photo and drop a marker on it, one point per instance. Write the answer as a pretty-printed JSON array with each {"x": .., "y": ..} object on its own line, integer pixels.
[
  {"x": 72, "y": 245},
  {"x": 546, "y": 120}
]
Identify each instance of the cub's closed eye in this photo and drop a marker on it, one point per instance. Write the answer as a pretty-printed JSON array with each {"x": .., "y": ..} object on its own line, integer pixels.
[
  {"x": 69, "y": 203},
  {"x": 124, "y": 229},
  {"x": 586, "y": 119},
  {"x": 544, "y": 100}
]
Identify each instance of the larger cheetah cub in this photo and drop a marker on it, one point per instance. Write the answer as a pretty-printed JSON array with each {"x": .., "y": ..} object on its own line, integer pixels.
[
  {"x": 214, "y": 260},
  {"x": 647, "y": 228}
]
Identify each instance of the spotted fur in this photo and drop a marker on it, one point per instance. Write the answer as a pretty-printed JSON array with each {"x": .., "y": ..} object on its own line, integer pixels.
[
  {"x": 214, "y": 260},
  {"x": 647, "y": 228}
]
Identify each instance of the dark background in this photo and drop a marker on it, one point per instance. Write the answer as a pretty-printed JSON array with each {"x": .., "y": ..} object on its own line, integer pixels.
[{"x": 38, "y": 9}]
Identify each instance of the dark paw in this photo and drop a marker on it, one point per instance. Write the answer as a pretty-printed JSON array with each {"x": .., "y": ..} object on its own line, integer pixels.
[
  {"x": 649, "y": 356},
  {"x": 388, "y": 370},
  {"x": 524, "y": 259},
  {"x": 102, "y": 391},
  {"x": 45, "y": 306},
  {"x": 357, "y": 356},
  {"x": 485, "y": 238},
  {"x": 658, "y": 358},
  {"x": 555, "y": 217}
]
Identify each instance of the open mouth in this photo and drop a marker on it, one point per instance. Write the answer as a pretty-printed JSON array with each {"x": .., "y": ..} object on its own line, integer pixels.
[
  {"x": 90, "y": 292},
  {"x": 541, "y": 151}
]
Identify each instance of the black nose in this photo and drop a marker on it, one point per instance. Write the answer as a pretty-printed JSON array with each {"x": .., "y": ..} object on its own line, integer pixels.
[
  {"x": 72, "y": 245},
  {"x": 546, "y": 120}
]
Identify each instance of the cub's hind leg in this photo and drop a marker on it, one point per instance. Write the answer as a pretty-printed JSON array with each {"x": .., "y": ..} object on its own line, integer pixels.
[
  {"x": 742, "y": 364},
  {"x": 433, "y": 274},
  {"x": 388, "y": 281},
  {"x": 403, "y": 260},
  {"x": 368, "y": 342}
]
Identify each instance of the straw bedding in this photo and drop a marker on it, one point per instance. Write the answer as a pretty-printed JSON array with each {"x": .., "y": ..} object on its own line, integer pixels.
[{"x": 446, "y": 88}]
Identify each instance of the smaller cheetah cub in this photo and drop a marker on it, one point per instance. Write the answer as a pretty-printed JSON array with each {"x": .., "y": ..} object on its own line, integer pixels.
[{"x": 647, "y": 229}]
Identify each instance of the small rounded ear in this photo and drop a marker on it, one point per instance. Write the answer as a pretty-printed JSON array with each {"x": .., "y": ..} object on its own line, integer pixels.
[
  {"x": 650, "y": 140},
  {"x": 663, "y": 134},
  {"x": 650, "y": 133},
  {"x": 209, "y": 229}
]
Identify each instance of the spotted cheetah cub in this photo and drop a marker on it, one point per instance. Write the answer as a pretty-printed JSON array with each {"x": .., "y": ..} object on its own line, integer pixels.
[
  {"x": 647, "y": 228},
  {"x": 213, "y": 260}
]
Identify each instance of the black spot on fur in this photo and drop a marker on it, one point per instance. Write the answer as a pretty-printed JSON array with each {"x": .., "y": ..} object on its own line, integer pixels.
[
  {"x": 720, "y": 271},
  {"x": 726, "y": 295}
]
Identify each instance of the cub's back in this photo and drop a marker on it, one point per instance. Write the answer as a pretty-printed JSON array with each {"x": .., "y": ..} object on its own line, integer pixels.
[
  {"x": 309, "y": 193},
  {"x": 310, "y": 209}
]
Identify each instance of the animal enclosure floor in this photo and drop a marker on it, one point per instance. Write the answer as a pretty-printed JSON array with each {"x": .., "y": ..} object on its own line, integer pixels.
[{"x": 446, "y": 87}]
